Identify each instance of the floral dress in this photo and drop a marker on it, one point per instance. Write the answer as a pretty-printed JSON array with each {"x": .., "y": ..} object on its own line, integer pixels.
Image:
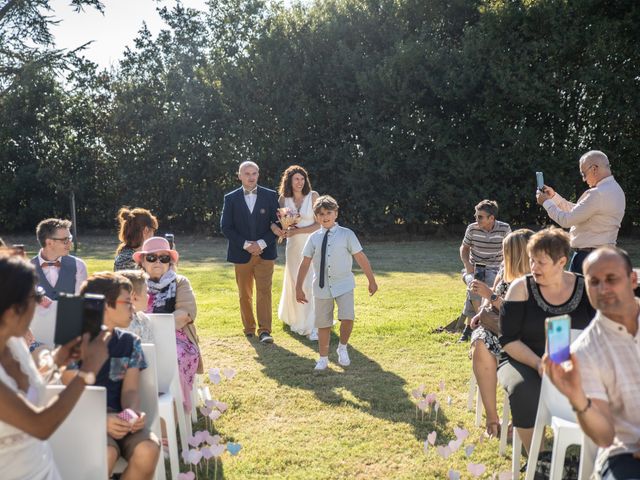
[{"x": 489, "y": 338}]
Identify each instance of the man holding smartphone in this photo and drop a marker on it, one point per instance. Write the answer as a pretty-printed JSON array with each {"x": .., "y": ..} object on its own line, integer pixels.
[
  {"x": 595, "y": 220},
  {"x": 602, "y": 380},
  {"x": 482, "y": 246}
]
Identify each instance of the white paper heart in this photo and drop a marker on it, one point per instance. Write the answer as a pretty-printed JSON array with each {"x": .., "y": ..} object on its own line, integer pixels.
[
  {"x": 222, "y": 406},
  {"x": 460, "y": 433},
  {"x": 195, "y": 456},
  {"x": 505, "y": 476},
  {"x": 476, "y": 469},
  {"x": 213, "y": 439},
  {"x": 217, "y": 450},
  {"x": 214, "y": 375},
  {"x": 431, "y": 438},
  {"x": 444, "y": 452},
  {"x": 229, "y": 373},
  {"x": 454, "y": 445},
  {"x": 215, "y": 415}
]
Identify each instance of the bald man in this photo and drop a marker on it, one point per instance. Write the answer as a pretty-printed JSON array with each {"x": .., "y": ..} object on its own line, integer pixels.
[
  {"x": 602, "y": 378},
  {"x": 596, "y": 218}
]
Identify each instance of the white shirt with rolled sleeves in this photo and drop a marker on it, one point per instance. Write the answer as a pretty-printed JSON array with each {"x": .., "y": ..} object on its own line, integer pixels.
[
  {"x": 609, "y": 363},
  {"x": 52, "y": 273},
  {"x": 342, "y": 244},
  {"x": 595, "y": 219}
]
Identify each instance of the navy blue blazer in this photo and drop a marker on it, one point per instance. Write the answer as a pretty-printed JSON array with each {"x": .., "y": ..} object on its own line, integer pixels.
[{"x": 240, "y": 225}]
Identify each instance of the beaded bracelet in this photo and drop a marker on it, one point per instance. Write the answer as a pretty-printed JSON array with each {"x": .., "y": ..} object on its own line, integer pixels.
[{"x": 580, "y": 412}]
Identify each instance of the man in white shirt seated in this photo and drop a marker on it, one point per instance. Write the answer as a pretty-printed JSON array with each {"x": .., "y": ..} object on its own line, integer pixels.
[
  {"x": 602, "y": 379},
  {"x": 595, "y": 219}
]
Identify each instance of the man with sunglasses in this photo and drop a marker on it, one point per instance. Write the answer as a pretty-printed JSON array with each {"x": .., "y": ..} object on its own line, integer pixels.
[
  {"x": 595, "y": 220},
  {"x": 58, "y": 272}
]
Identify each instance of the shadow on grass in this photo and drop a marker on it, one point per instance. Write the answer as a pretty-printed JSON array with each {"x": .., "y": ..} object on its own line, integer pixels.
[{"x": 364, "y": 385}]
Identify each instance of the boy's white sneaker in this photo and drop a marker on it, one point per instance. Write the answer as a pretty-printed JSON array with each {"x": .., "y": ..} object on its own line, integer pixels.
[
  {"x": 343, "y": 356},
  {"x": 313, "y": 336},
  {"x": 322, "y": 363}
]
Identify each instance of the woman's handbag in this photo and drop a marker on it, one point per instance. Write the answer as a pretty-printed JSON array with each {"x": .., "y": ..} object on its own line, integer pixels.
[{"x": 490, "y": 319}]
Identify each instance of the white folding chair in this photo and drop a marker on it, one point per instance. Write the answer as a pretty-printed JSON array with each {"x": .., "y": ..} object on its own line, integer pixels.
[
  {"x": 80, "y": 443},
  {"x": 43, "y": 324},
  {"x": 164, "y": 333},
  {"x": 148, "y": 391}
]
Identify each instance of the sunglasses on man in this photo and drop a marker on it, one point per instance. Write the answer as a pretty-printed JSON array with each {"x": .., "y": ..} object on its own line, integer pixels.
[{"x": 153, "y": 258}]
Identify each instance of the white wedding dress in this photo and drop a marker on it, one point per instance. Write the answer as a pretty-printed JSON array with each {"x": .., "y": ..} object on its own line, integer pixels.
[
  {"x": 21, "y": 455},
  {"x": 300, "y": 317}
]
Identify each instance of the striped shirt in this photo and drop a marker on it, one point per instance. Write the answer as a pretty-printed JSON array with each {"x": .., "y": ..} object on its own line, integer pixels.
[{"x": 486, "y": 247}]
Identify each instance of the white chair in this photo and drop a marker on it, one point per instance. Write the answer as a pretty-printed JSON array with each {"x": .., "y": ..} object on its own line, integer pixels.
[
  {"x": 43, "y": 325},
  {"x": 80, "y": 443},
  {"x": 148, "y": 390},
  {"x": 164, "y": 333},
  {"x": 474, "y": 393}
]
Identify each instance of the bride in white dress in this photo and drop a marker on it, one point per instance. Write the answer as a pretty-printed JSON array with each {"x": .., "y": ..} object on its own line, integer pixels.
[
  {"x": 25, "y": 423},
  {"x": 296, "y": 194}
]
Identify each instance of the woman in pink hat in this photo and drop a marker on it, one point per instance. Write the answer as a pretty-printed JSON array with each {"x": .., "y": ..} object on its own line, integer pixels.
[{"x": 172, "y": 293}]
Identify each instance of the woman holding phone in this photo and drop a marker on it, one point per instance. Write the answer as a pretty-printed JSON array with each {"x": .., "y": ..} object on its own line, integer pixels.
[
  {"x": 25, "y": 421},
  {"x": 547, "y": 292}
]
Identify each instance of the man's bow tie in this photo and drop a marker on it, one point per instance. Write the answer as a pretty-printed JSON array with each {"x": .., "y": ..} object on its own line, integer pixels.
[
  {"x": 51, "y": 264},
  {"x": 249, "y": 192}
]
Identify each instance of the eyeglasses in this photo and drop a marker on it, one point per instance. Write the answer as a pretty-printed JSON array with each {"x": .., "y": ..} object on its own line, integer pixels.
[
  {"x": 38, "y": 294},
  {"x": 583, "y": 174},
  {"x": 153, "y": 258},
  {"x": 65, "y": 240}
]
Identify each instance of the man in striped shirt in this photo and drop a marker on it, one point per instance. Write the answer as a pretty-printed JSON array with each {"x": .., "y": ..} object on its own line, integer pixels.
[{"x": 482, "y": 244}]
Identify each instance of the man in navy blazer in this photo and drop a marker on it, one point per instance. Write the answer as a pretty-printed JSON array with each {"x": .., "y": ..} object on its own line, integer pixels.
[{"x": 247, "y": 216}]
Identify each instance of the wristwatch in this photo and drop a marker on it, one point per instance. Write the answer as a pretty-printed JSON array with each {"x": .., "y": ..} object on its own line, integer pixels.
[
  {"x": 493, "y": 297},
  {"x": 89, "y": 378}
]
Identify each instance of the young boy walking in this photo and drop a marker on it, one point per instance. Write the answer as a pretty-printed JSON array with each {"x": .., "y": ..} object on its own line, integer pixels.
[{"x": 332, "y": 250}]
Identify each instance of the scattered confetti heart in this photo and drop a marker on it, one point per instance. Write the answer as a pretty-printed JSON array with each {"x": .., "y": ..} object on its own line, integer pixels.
[
  {"x": 444, "y": 452},
  {"x": 468, "y": 450},
  {"x": 215, "y": 415},
  {"x": 186, "y": 476},
  {"x": 460, "y": 433},
  {"x": 431, "y": 438},
  {"x": 417, "y": 393},
  {"x": 476, "y": 469},
  {"x": 505, "y": 476},
  {"x": 214, "y": 375},
  {"x": 453, "y": 475},
  {"x": 233, "y": 448},
  {"x": 454, "y": 445},
  {"x": 229, "y": 373}
]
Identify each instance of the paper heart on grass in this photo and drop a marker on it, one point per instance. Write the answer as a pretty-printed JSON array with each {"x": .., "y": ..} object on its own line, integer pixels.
[
  {"x": 215, "y": 415},
  {"x": 422, "y": 404},
  {"x": 186, "y": 476},
  {"x": 476, "y": 469},
  {"x": 444, "y": 452},
  {"x": 193, "y": 441},
  {"x": 441, "y": 385},
  {"x": 195, "y": 456},
  {"x": 431, "y": 438},
  {"x": 460, "y": 433},
  {"x": 233, "y": 448},
  {"x": 214, "y": 375},
  {"x": 210, "y": 404},
  {"x": 454, "y": 445},
  {"x": 229, "y": 373},
  {"x": 205, "y": 411},
  {"x": 217, "y": 450},
  {"x": 505, "y": 476},
  {"x": 213, "y": 439},
  {"x": 468, "y": 450},
  {"x": 206, "y": 453},
  {"x": 417, "y": 393},
  {"x": 453, "y": 475},
  {"x": 431, "y": 398},
  {"x": 222, "y": 406},
  {"x": 425, "y": 447}
]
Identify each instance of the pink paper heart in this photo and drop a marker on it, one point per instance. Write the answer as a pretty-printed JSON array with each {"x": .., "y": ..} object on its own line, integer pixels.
[
  {"x": 431, "y": 397},
  {"x": 444, "y": 452},
  {"x": 222, "y": 406},
  {"x": 453, "y": 475},
  {"x": 214, "y": 375},
  {"x": 210, "y": 404},
  {"x": 202, "y": 436},
  {"x": 186, "y": 476},
  {"x": 417, "y": 393},
  {"x": 468, "y": 450},
  {"x": 206, "y": 453},
  {"x": 195, "y": 456},
  {"x": 422, "y": 404},
  {"x": 193, "y": 441},
  {"x": 476, "y": 469},
  {"x": 229, "y": 373},
  {"x": 214, "y": 415},
  {"x": 213, "y": 439},
  {"x": 217, "y": 450},
  {"x": 505, "y": 476},
  {"x": 431, "y": 438},
  {"x": 454, "y": 445},
  {"x": 460, "y": 433},
  {"x": 205, "y": 411}
]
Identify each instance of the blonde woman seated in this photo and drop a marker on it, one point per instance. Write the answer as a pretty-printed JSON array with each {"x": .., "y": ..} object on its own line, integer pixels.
[{"x": 485, "y": 346}]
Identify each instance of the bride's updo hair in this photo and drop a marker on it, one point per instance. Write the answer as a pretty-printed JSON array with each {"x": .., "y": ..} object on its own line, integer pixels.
[
  {"x": 132, "y": 224},
  {"x": 285, "y": 188}
]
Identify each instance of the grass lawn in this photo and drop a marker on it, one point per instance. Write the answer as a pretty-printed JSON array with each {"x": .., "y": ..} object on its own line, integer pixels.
[{"x": 357, "y": 422}]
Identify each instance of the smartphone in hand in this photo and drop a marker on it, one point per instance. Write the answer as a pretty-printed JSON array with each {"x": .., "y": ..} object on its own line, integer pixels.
[
  {"x": 170, "y": 237},
  {"x": 77, "y": 315},
  {"x": 480, "y": 272},
  {"x": 558, "y": 337},
  {"x": 540, "y": 181}
]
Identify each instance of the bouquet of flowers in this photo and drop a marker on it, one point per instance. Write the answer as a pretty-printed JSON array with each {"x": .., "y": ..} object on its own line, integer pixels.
[{"x": 288, "y": 218}]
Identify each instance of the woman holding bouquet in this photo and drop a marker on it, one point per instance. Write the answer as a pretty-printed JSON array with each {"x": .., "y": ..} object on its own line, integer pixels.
[{"x": 296, "y": 204}]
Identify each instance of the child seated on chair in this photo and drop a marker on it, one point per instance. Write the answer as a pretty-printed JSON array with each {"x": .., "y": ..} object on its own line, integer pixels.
[
  {"x": 140, "y": 322},
  {"x": 130, "y": 439}
]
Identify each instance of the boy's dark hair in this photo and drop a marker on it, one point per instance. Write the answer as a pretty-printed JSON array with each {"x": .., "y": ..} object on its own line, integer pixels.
[
  {"x": 488, "y": 206},
  {"x": 325, "y": 201},
  {"x": 109, "y": 284},
  {"x": 47, "y": 229}
]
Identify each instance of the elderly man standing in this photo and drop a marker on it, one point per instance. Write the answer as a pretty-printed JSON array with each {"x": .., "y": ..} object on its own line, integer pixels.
[
  {"x": 596, "y": 218},
  {"x": 602, "y": 379},
  {"x": 247, "y": 215}
]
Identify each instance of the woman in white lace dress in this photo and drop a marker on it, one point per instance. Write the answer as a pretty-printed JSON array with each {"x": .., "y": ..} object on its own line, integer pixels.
[
  {"x": 296, "y": 194},
  {"x": 24, "y": 423}
]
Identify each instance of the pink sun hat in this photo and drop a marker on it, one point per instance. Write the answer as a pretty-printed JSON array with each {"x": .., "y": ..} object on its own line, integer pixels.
[{"x": 155, "y": 245}]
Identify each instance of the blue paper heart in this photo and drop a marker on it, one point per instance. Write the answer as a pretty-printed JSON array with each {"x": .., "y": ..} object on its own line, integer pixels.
[{"x": 234, "y": 448}]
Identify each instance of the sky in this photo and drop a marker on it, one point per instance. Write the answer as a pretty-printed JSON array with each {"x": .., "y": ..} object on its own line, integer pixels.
[{"x": 112, "y": 31}]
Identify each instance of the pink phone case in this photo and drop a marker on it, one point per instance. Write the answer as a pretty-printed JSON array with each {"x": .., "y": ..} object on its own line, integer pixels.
[{"x": 128, "y": 415}]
